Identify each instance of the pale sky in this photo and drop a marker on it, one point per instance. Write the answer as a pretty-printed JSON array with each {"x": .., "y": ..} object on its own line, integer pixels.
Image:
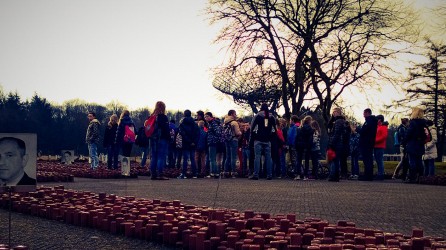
[{"x": 133, "y": 51}]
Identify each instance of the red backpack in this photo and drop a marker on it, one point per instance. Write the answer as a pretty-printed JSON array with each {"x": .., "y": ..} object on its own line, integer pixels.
[
  {"x": 129, "y": 134},
  {"x": 150, "y": 125}
]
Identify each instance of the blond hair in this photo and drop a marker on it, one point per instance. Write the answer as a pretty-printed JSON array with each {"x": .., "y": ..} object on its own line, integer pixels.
[
  {"x": 124, "y": 113},
  {"x": 113, "y": 120},
  {"x": 160, "y": 108},
  {"x": 417, "y": 113},
  {"x": 307, "y": 120}
]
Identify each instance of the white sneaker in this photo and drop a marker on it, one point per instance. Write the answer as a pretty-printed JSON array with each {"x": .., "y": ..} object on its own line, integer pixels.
[
  {"x": 305, "y": 179},
  {"x": 297, "y": 178}
]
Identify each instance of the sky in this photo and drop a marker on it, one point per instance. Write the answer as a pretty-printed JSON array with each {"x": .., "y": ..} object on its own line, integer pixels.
[{"x": 134, "y": 51}]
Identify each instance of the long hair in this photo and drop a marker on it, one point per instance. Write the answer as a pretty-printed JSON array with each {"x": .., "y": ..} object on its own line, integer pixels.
[
  {"x": 124, "y": 113},
  {"x": 315, "y": 126},
  {"x": 307, "y": 120},
  {"x": 160, "y": 108},
  {"x": 113, "y": 120},
  {"x": 417, "y": 113}
]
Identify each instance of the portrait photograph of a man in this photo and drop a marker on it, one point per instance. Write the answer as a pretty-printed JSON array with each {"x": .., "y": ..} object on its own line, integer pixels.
[{"x": 18, "y": 162}]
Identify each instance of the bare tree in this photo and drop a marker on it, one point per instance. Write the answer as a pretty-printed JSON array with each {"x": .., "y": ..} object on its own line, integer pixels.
[{"x": 319, "y": 47}]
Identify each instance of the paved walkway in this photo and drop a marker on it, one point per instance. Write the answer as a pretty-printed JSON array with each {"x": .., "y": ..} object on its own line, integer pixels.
[{"x": 388, "y": 205}]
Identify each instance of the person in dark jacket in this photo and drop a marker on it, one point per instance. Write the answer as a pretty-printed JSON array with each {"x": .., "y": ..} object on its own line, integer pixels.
[
  {"x": 213, "y": 140},
  {"x": 262, "y": 128},
  {"x": 109, "y": 142},
  {"x": 337, "y": 142},
  {"x": 415, "y": 139},
  {"x": 307, "y": 142},
  {"x": 367, "y": 135},
  {"x": 92, "y": 139},
  {"x": 404, "y": 162},
  {"x": 159, "y": 142},
  {"x": 190, "y": 133},
  {"x": 126, "y": 146}
]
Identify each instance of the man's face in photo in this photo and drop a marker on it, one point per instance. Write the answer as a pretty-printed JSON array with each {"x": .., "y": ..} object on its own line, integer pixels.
[{"x": 12, "y": 160}]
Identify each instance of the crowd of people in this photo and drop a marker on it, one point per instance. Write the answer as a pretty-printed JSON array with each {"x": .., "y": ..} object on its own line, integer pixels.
[{"x": 262, "y": 146}]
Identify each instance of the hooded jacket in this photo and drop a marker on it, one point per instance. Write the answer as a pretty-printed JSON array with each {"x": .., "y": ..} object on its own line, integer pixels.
[
  {"x": 381, "y": 135},
  {"x": 92, "y": 135},
  {"x": 415, "y": 137},
  {"x": 431, "y": 147},
  {"x": 189, "y": 132},
  {"x": 126, "y": 120},
  {"x": 367, "y": 133}
]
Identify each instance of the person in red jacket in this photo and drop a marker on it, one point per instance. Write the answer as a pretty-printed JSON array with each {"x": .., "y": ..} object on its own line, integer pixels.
[{"x": 380, "y": 145}]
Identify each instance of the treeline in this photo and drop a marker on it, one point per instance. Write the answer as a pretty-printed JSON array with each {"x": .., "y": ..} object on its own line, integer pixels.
[{"x": 59, "y": 127}]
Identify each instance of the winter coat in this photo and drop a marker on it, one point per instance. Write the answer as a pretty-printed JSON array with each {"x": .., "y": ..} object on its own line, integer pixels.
[
  {"x": 262, "y": 128},
  {"x": 92, "y": 135},
  {"x": 316, "y": 146},
  {"x": 339, "y": 138},
  {"x": 162, "y": 123},
  {"x": 126, "y": 120},
  {"x": 367, "y": 133},
  {"x": 306, "y": 137},
  {"x": 234, "y": 126},
  {"x": 402, "y": 134},
  {"x": 189, "y": 132},
  {"x": 381, "y": 135},
  {"x": 201, "y": 145},
  {"x": 431, "y": 147},
  {"x": 354, "y": 144},
  {"x": 110, "y": 135},
  {"x": 215, "y": 133},
  {"x": 415, "y": 137}
]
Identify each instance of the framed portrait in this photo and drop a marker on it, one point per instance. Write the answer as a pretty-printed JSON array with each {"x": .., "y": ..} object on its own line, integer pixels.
[
  {"x": 125, "y": 166},
  {"x": 67, "y": 157},
  {"x": 18, "y": 170}
]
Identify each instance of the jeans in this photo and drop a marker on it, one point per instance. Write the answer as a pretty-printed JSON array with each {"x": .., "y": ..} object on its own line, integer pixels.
[
  {"x": 315, "y": 155},
  {"x": 200, "y": 160},
  {"x": 264, "y": 147},
  {"x": 334, "y": 169},
  {"x": 93, "y": 152},
  {"x": 282, "y": 154},
  {"x": 245, "y": 169},
  {"x": 112, "y": 156},
  {"x": 355, "y": 163},
  {"x": 158, "y": 156},
  {"x": 126, "y": 149},
  {"x": 379, "y": 158},
  {"x": 145, "y": 154},
  {"x": 231, "y": 155},
  {"x": 306, "y": 155},
  {"x": 429, "y": 167},
  {"x": 213, "y": 159},
  {"x": 298, "y": 166},
  {"x": 189, "y": 154}
]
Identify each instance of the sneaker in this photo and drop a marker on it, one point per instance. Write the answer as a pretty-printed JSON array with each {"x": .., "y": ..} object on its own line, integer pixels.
[
  {"x": 181, "y": 177},
  {"x": 305, "y": 178},
  {"x": 194, "y": 177},
  {"x": 253, "y": 177},
  {"x": 269, "y": 178},
  {"x": 297, "y": 178},
  {"x": 209, "y": 176}
]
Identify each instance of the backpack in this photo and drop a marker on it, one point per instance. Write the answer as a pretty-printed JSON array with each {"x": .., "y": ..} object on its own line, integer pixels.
[
  {"x": 150, "y": 126},
  {"x": 141, "y": 139},
  {"x": 129, "y": 134},
  {"x": 228, "y": 134}
]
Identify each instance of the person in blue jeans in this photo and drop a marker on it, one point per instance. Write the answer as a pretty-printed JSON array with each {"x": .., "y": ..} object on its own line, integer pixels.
[
  {"x": 232, "y": 143},
  {"x": 92, "y": 139},
  {"x": 159, "y": 142},
  {"x": 354, "y": 154},
  {"x": 337, "y": 131},
  {"x": 214, "y": 138},
  {"x": 430, "y": 150},
  {"x": 262, "y": 128},
  {"x": 109, "y": 142},
  {"x": 190, "y": 135},
  {"x": 380, "y": 145}
]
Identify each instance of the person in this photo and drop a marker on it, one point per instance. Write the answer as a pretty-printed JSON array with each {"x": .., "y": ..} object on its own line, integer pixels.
[
  {"x": 109, "y": 142},
  {"x": 172, "y": 152},
  {"x": 92, "y": 139},
  {"x": 415, "y": 138},
  {"x": 190, "y": 135},
  {"x": 315, "y": 148},
  {"x": 336, "y": 142},
  {"x": 213, "y": 140},
  {"x": 404, "y": 162},
  {"x": 145, "y": 148},
  {"x": 282, "y": 133},
  {"x": 354, "y": 154},
  {"x": 430, "y": 150},
  {"x": 200, "y": 151},
  {"x": 13, "y": 160},
  {"x": 291, "y": 142},
  {"x": 246, "y": 169},
  {"x": 124, "y": 144},
  {"x": 159, "y": 142},
  {"x": 380, "y": 145},
  {"x": 307, "y": 143},
  {"x": 367, "y": 135},
  {"x": 262, "y": 127},
  {"x": 231, "y": 143}
]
